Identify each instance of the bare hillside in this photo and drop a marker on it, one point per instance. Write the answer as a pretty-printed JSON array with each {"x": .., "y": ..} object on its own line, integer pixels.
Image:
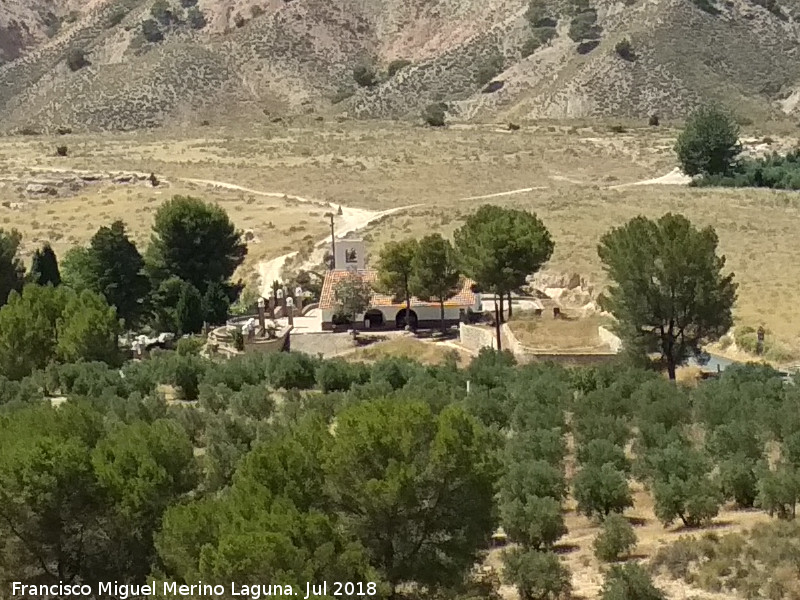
[{"x": 126, "y": 64}]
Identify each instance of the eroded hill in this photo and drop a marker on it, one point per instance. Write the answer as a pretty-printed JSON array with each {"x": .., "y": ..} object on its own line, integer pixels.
[{"x": 126, "y": 64}]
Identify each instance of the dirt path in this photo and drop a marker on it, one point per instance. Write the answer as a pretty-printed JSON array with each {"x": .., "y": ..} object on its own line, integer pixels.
[
  {"x": 349, "y": 221},
  {"x": 500, "y": 194},
  {"x": 674, "y": 177}
]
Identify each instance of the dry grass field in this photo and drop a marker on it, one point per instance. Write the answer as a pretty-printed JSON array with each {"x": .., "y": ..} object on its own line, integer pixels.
[
  {"x": 567, "y": 173},
  {"x": 547, "y": 334},
  {"x": 428, "y": 353}
]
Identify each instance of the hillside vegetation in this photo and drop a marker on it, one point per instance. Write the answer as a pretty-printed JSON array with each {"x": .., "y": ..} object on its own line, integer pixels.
[{"x": 148, "y": 63}]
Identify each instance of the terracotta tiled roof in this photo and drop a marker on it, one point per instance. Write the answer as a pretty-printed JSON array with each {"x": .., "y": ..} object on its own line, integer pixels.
[{"x": 464, "y": 298}]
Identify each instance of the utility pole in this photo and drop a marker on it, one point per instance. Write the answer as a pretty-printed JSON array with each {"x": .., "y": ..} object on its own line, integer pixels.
[{"x": 333, "y": 242}]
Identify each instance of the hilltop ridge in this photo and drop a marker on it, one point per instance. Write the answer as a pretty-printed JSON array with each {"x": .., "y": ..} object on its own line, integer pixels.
[{"x": 485, "y": 59}]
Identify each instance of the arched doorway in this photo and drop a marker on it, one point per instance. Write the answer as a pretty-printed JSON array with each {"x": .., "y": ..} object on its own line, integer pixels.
[
  {"x": 400, "y": 319},
  {"x": 373, "y": 319}
]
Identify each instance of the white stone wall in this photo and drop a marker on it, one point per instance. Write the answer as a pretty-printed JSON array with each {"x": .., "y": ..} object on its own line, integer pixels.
[
  {"x": 474, "y": 337},
  {"x": 608, "y": 338},
  {"x": 424, "y": 313}
]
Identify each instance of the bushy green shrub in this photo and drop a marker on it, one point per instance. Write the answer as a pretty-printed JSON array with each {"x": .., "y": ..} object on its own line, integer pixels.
[
  {"x": 629, "y": 582},
  {"x": 709, "y": 143},
  {"x": 530, "y": 46},
  {"x": 365, "y": 75},
  {"x": 738, "y": 479},
  {"x": 338, "y": 375},
  {"x": 190, "y": 346},
  {"x": 491, "y": 369},
  {"x": 537, "y": 10},
  {"x": 583, "y": 26},
  {"x": 228, "y": 439},
  {"x": 247, "y": 369},
  {"x": 395, "y": 371},
  {"x": 289, "y": 370},
  {"x": 661, "y": 402},
  {"x": 537, "y": 575},
  {"x": 253, "y": 401},
  {"x": 190, "y": 419},
  {"x": 196, "y": 18},
  {"x": 86, "y": 379},
  {"x": 759, "y": 560},
  {"x": 677, "y": 558},
  {"x": 779, "y": 491},
  {"x": 116, "y": 17},
  {"x": 537, "y": 444},
  {"x": 161, "y": 11},
  {"x": 533, "y": 478},
  {"x": 772, "y": 6},
  {"x": 151, "y": 31},
  {"x": 397, "y": 65},
  {"x": 488, "y": 67},
  {"x": 617, "y": 538},
  {"x": 533, "y": 521},
  {"x": 624, "y": 50},
  {"x": 707, "y": 6},
  {"x": 773, "y": 171},
  {"x": 601, "y": 490},
  {"x": 76, "y": 59},
  {"x": 738, "y": 438},
  {"x": 598, "y": 426},
  {"x": 601, "y": 451},
  {"x": 214, "y": 398},
  {"x": 434, "y": 114},
  {"x": 545, "y": 33},
  {"x": 186, "y": 375}
]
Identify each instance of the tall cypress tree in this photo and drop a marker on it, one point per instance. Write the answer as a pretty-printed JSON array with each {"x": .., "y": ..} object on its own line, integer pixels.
[
  {"x": 189, "y": 310},
  {"x": 119, "y": 271},
  {"x": 44, "y": 268},
  {"x": 12, "y": 271}
]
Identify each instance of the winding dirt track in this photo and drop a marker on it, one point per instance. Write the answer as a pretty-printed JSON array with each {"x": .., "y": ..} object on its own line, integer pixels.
[{"x": 349, "y": 221}]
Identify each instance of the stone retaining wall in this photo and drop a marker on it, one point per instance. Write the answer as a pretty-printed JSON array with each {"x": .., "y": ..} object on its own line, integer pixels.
[
  {"x": 609, "y": 339},
  {"x": 474, "y": 337}
]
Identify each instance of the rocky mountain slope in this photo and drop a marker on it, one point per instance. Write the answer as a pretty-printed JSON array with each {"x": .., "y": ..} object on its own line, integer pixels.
[{"x": 125, "y": 64}]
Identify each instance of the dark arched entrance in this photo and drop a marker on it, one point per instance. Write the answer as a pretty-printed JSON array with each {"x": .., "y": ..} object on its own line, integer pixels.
[
  {"x": 400, "y": 319},
  {"x": 373, "y": 319}
]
